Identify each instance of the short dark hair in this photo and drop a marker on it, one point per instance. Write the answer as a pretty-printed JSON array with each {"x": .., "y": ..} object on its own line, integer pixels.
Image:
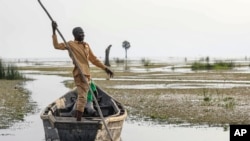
[{"x": 76, "y": 30}]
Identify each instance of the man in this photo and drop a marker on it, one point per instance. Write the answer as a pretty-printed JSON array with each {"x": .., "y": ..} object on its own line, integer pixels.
[{"x": 82, "y": 55}]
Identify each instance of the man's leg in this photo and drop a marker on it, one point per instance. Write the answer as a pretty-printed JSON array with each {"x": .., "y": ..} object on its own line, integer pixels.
[{"x": 82, "y": 89}]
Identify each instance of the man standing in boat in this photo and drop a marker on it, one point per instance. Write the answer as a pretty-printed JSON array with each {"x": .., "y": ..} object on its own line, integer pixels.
[{"x": 82, "y": 55}]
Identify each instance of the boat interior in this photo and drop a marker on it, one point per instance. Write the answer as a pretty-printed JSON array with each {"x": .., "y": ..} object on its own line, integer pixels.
[{"x": 65, "y": 106}]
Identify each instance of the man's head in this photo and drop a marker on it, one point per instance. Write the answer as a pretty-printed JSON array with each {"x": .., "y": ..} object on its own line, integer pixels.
[{"x": 78, "y": 34}]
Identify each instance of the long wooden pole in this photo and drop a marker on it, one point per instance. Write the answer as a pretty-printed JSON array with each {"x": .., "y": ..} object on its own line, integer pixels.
[{"x": 81, "y": 72}]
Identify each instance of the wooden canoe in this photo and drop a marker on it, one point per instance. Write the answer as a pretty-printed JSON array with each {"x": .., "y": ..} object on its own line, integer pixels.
[{"x": 60, "y": 125}]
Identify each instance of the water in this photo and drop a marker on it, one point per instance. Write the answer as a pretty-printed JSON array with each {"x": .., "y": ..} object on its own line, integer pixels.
[
  {"x": 180, "y": 86},
  {"x": 46, "y": 88},
  {"x": 144, "y": 132}
]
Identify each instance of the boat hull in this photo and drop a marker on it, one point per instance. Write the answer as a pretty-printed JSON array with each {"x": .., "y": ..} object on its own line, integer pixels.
[{"x": 59, "y": 127}]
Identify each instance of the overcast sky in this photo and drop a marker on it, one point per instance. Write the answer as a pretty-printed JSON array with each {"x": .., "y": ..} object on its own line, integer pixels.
[{"x": 165, "y": 28}]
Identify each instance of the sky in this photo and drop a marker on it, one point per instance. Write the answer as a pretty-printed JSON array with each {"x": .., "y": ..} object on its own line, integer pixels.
[{"x": 154, "y": 28}]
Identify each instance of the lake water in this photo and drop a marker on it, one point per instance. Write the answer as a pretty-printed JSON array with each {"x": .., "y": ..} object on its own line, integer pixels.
[{"x": 46, "y": 88}]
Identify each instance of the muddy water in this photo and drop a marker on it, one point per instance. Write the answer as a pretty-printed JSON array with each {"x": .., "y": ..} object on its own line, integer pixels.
[{"x": 46, "y": 88}]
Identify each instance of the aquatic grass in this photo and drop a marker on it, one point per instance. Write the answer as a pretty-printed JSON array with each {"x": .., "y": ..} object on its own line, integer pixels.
[
  {"x": 219, "y": 65},
  {"x": 12, "y": 73},
  {"x": 2, "y": 70},
  {"x": 9, "y": 72},
  {"x": 207, "y": 98},
  {"x": 200, "y": 66},
  {"x": 229, "y": 103},
  {"x": 218, "y": 99}
]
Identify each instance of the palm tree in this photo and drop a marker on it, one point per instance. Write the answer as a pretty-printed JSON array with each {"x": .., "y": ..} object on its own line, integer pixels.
[{"x": 126, "y": 46}]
